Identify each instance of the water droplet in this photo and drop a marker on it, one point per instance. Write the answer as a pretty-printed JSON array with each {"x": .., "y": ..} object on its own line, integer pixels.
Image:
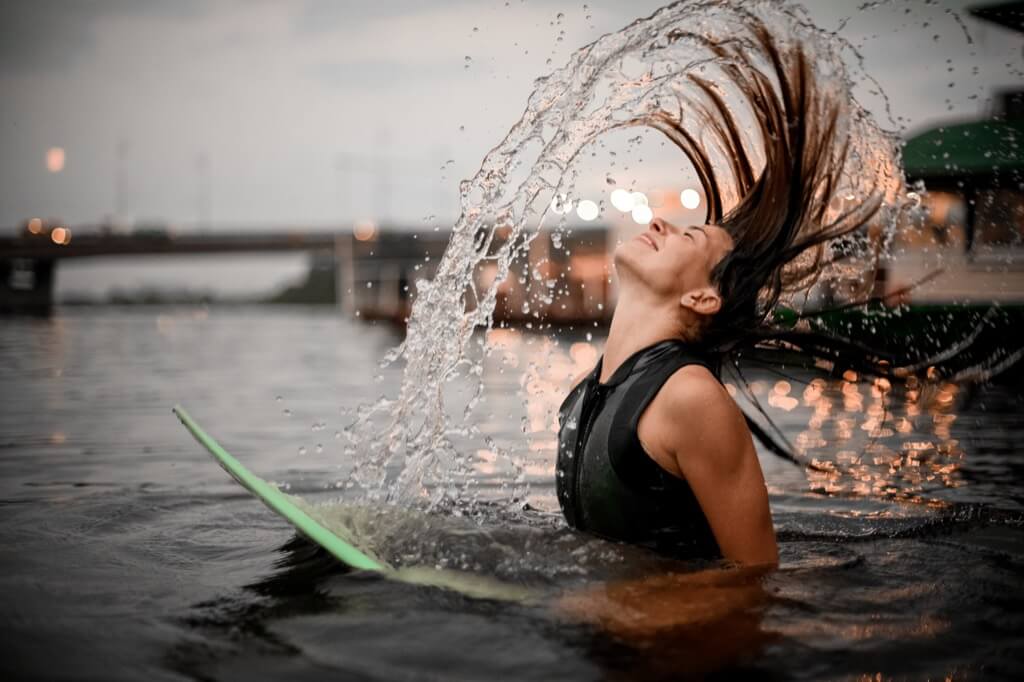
[{"x": 442, "y": 327}]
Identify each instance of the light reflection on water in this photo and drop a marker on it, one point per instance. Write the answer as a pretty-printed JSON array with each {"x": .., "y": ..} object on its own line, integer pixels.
[
  {"x": 863, "y": 437},
  {"x": 869, "y": 438},
  {"x": 121, "y": 541},
  {"x": 548, "y": 369}
]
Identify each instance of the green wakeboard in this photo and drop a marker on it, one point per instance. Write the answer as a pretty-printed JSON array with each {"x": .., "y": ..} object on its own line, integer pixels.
[
  {"x": 341, "y": 549},
  {"x": 279, "y": 502}
]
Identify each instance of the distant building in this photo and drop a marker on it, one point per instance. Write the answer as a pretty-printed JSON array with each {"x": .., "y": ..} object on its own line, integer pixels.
[
  {"x": 378, "y": 271},
  {"x": 972, "y": 226},
  {"x": 972, "y": 222},
  {"x": 966, "y": 242}
]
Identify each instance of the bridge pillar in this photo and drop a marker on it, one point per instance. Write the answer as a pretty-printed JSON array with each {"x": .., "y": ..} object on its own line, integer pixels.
[
  {"x": 344, "y": 278},
  {"x": 26, "y": 285}
]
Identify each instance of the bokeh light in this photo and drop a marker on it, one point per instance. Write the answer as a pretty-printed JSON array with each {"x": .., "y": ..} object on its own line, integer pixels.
[
  {"x": 689, "y": 198},
  {"x": 61, "y": 235},
  {"x": 587, "y": 210},
  {"x": 622, "y": 200},
  {"x": 642, "y": 214},
  {"x": 55, "y": 159},
  {"x": 364, "y": 230}
]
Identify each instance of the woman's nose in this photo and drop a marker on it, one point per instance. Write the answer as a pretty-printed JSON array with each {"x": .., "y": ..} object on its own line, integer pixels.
[{"x": 659, "y": 225}]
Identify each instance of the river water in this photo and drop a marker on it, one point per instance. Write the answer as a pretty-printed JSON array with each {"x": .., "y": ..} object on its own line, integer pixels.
[{"x": 126, "y": 553}]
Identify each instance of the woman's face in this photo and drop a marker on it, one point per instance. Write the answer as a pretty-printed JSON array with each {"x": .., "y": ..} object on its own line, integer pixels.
[{"x": 670, "y": 261}]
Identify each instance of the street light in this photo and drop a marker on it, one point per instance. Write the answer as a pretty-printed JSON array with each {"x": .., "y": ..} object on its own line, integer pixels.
[
  {"x": 61, "y": 236},
  {"x": 364, "y": 230}
]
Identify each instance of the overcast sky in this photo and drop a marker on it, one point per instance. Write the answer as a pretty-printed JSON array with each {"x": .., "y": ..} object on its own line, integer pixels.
[
  {"x": 249, "y": 113},
  {"x": 318, "y": 111}
]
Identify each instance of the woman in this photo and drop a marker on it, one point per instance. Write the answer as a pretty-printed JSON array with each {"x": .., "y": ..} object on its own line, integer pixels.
[{"x": 652, "y": 449}]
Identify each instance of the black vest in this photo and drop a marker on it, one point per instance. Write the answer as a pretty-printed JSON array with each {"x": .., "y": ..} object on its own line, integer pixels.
[{"x": 606, "y": 483}]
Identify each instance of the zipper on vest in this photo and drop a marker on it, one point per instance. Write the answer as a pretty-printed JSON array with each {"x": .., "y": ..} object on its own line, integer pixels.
[{"x": 587, "y": 423}]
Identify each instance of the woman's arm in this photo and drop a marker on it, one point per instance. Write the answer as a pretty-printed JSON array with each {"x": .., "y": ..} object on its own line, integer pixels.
[
  {"x": 641, "y": 607},
  {"x": 694, "y": 427}
]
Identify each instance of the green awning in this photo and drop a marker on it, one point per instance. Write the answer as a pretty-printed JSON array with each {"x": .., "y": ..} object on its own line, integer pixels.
[{"x": 980, "y": 148}]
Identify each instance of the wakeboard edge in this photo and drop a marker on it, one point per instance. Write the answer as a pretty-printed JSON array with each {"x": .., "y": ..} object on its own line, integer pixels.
[{"x": 278, "y": 501}]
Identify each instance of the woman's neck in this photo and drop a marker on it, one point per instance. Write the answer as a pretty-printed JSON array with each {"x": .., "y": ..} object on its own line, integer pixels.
[{"x": 638, "y": 322}]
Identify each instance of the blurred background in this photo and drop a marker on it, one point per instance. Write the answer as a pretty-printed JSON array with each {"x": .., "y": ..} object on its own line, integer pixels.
[{"x": 205, "y": 150}]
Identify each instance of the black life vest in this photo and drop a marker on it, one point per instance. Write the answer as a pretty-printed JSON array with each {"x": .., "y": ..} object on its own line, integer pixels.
[{"x": 605, "y": 482}]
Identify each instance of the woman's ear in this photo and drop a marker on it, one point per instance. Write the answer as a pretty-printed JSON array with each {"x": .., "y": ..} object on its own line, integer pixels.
[{"x": 703, "y": 301}]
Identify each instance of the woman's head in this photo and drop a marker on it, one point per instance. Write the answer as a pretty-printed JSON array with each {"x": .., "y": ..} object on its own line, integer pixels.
[
  {"x": 773, "y": 238},
  {"x": 674, "y": 265}
]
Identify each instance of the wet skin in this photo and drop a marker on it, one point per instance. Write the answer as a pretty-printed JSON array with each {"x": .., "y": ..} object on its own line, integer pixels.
[{"x": 692, "y": 429}]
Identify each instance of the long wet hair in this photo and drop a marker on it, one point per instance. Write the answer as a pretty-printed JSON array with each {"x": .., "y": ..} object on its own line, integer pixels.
[
  {"x": 778, "y": 226},
  {"x": 786, "y": 214}
]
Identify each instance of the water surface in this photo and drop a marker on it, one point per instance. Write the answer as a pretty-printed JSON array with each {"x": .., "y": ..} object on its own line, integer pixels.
[{"x": 127, "y": 554}]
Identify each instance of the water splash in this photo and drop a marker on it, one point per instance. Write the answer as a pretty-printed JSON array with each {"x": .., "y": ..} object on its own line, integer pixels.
[{"x": 406, "y": 447}]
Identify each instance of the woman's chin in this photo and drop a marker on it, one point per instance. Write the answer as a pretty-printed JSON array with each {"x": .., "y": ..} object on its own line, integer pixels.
[{"x": 629, "y": 254}]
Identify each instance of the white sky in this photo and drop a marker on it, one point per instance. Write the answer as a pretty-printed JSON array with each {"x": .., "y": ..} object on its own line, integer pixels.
[{"x": 297, "y": 110}]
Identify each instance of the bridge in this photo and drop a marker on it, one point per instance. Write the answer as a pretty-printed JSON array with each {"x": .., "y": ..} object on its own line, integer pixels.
[
  {"x": 375, "y": 270},
  {"x": 28, "y": 261},
  {"x": 44, "y": 247}
]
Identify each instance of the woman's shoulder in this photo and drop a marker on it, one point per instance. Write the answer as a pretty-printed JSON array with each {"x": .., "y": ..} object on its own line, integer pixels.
[{"x": 694, "y": 404}]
